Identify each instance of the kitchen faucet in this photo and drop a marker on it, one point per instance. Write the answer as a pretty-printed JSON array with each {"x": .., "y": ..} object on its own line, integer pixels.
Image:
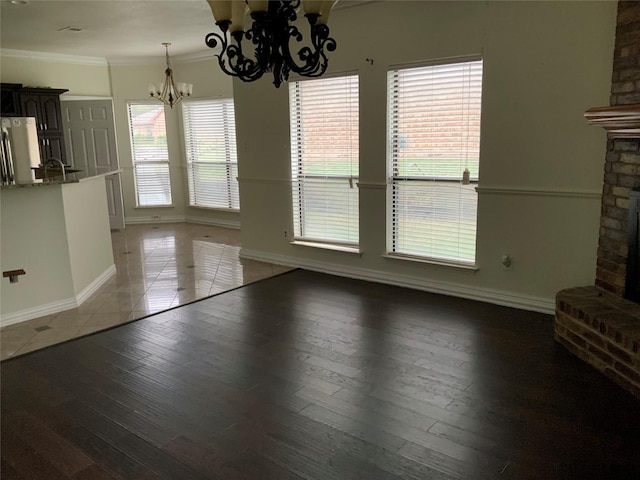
[{"x": 56, "y": 162}]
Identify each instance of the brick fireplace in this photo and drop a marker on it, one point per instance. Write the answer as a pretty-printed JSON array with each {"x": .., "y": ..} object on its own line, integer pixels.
[{"x": 598, "y": 323}]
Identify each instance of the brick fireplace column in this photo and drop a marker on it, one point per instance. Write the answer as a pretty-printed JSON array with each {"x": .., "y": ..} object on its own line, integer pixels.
[{"x": 597, "y": 323}]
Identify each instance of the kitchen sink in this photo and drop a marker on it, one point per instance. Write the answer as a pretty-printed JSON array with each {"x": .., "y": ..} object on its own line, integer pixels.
[{"x": 52, "y": 172}]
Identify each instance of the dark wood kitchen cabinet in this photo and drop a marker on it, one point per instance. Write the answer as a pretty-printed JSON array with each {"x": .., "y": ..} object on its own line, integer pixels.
[
  {"x": 10, "y": 99},
  {"x": 44, "y": 105}
]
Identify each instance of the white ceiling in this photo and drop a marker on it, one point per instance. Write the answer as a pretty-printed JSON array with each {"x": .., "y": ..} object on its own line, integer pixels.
[
  {"x": 117, "y": 30},
  {"x": 112, "y": 29}
]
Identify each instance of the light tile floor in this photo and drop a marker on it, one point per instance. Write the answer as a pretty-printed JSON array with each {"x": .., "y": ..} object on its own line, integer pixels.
[{"x": 157, "y": 267}]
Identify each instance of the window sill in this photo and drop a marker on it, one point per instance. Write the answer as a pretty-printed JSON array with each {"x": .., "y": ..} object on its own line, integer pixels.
[
  {"x": 328, "y": 246},
  {"x": 153, "y": 206},
  {"x": 216, "y": 209},
  {"x": 431, "y": 261}
]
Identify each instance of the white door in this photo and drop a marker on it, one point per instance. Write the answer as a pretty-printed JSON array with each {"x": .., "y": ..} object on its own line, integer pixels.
[{"x": 90, "y": 136}]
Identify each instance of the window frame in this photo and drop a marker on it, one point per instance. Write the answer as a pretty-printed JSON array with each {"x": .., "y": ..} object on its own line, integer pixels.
[
  {"x": 132, "y": 147},
  {"x": 392, "y": 180},
  {"x": 299, "y": 173},
  {"x": 228, "y": 164}
]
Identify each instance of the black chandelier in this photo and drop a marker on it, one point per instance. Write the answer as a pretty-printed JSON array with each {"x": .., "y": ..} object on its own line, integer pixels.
[{"x": 269, "y": 38}]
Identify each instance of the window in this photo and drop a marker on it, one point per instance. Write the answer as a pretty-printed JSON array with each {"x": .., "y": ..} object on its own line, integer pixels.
[
  {"x": 433, "y": 150},
  {"x": 212, "y": 163},
  {"x": 150, "y": 154},
  {"x": 324, "y": 159}
]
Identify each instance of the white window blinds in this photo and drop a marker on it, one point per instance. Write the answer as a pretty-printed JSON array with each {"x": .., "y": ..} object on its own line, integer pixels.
[
  {"x": 325, "y": 155},
  {"x": 210, "y": 142},
  {"x": 150, "y": 154},
  {"x": 433, "y": 153}
]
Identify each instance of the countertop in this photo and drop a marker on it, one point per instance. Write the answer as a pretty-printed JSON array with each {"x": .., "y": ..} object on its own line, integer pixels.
[{"x": 70, "y": 178}]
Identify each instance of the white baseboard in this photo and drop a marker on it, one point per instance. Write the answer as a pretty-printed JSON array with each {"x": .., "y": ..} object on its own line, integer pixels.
[
  {"x": 163, "y": 219},
  {"x": 235, "y": 224},
  {"x": 59, "y": 305},
  {"x": 215, "y": 222},
  {"x": 39, "y": 311},
  {"x": 95, "y": 285},
  {"x": 497, "y": 297}
]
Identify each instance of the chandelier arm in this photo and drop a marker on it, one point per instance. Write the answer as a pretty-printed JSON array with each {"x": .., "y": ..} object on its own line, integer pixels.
[
  {"x": 314, "y": 60},
  {"x": 324, "y": 43},
  {"x": 169, "y": 87},
  {"x": 246, "y": 68},
  {"x": 169, "y": 94},
  {"x": 231, "y": 59}
]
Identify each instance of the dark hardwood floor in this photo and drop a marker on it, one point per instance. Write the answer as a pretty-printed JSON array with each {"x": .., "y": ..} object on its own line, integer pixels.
[{"x": 309, "y": 376}]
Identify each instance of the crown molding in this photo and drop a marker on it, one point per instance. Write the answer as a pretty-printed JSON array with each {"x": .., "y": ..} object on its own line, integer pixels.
[
  {"x": 53, "y": 57},
  {"x": 198, "y": 56},
  {"x": 138, "y": 61},
  {"x": 190, "y": 57}
]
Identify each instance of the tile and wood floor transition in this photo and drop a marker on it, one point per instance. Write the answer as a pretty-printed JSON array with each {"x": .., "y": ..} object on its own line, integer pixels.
[
  {"x": 158, "y": 267},
  {"x": 309, "y": 376}
]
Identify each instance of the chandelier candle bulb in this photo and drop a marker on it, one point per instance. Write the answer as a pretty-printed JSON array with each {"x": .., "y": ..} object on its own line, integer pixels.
[
  {"x": 312, "y": 6},
  {"x": 221, "y": 10},
  {"x": 258, "y": 5},
  {"x": 325, "y": 9},
  {"x": 238, "y": 8}
]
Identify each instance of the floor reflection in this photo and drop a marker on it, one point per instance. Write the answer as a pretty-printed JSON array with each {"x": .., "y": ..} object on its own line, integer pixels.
[{"x": 157, "y": 267}]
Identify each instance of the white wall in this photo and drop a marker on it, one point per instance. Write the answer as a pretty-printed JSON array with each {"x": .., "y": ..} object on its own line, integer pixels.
[
  {"x": 42, "y": 70},
  {"x": 87, "y": 230},
  {"x": 33, "y": 238},
  {"x": 545, "y": 63}
]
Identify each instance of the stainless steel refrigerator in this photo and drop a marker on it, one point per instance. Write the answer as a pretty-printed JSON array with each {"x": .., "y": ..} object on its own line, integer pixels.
[{"x": 19, "y": 151}]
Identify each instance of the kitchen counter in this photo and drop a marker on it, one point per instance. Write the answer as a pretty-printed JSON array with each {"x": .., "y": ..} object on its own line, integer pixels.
[
  {"x": 70, "y": 178},
  {"x": 60, "y": 237}
]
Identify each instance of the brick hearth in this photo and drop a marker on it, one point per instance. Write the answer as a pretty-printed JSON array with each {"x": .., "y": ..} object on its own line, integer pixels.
[
  {"x": 596, "y": 323},
  {"x": 603, "y": 330}
]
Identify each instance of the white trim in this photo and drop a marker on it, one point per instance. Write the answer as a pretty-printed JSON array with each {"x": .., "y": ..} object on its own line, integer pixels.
[
  {"x": 53, "y": 57},
  {"x": 95, "y": 285},
  {"x": 39, "y": 311},
  {"x": 328, "y": 246},
  {"x": 543, "y": 192},
  {"x": 150, "y": 219},
  {"x": 372, "y": 186},
  {"x": 59, "y": 305},
  {"x": 216, "y": 222},
  {"x": 136, "y": 61},
  {"x": 497, "y": 297},
  {"x": 474, "y": 57},
  {"x": 72, "y": 98},
  {"x": 294, "y": 77},
  {"x": 147, "y": 207},
  {"x": 191, "y": 57}
]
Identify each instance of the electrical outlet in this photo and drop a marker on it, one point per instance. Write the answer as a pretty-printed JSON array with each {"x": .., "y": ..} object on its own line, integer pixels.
[
  {"x": 507, "y": 261},
  {"x": 286, "y": 233},
  {"x": 155, "y": 217}
]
